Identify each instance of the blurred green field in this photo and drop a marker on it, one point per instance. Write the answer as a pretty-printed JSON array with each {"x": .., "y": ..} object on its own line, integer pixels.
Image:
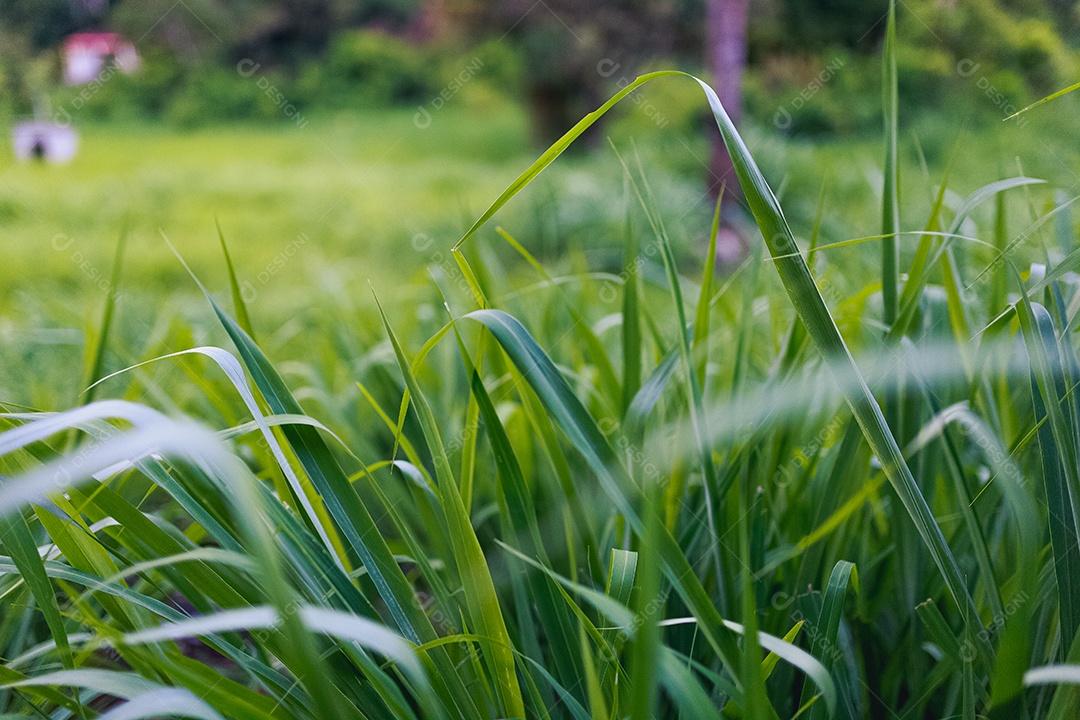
[
  {"x": 359, "y": 187},
  {"x": 349, "y": 199},
  {"x": 356, "y": 187}
]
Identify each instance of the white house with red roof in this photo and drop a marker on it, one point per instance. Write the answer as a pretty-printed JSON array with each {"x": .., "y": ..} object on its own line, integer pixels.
[{"x": 86, "y": 55}]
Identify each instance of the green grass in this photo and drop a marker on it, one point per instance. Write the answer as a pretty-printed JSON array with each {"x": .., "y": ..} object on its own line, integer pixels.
[
  {"x": 356, "y": 187},
  {"x": 559, "y": 475}
]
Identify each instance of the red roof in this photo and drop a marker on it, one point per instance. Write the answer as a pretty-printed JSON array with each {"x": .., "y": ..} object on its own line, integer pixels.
[{"x": 103, "y": 43}]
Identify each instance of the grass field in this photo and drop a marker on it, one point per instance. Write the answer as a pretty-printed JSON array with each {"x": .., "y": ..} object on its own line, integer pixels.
[
  {"x": 349, "y": 200},
  {"x": 359, "y": 187},
  {"x": 356, "y": 186},
  {"x": 569, "y": 472}
]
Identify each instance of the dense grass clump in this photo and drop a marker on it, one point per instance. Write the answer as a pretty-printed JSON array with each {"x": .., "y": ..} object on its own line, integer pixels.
[{"x": 553, "y": 491}]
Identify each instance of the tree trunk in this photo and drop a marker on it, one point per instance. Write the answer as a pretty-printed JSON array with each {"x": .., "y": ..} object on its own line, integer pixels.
[
  {"x": 433, "y": 21},
  {"x": 725, "y": 38}
]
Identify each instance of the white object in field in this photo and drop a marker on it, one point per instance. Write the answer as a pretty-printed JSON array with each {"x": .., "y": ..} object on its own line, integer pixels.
[
  {"x": 86, "y": 55},
  {"x": 39, "y": 140}
]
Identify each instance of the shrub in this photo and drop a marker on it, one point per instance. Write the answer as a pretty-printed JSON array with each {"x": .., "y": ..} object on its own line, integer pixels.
[
  {"x": 370, "y": 68},
  {"x": 216, "y": 95}
]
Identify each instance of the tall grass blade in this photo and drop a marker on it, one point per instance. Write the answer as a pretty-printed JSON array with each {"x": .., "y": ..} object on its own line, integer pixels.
[
  {"x": 1048, "y": 98},
  {"x": 1059, "y": 457},
  {"x": 810, "y": 306},
  {"x": 521, "y": 514},
  {"x": 704, "y": 304},
  {"x": 19, "y": 543},
  {"x": 644, "y": 690},
  {"x": 825, "y": 645},
  {"x": 239, "y": 304},
  {"x": 480, "y": 596},
  {"x": 96, "y": 357},
  {"x": 631, "y": 316},
  {"x": 890, "y": 200}
]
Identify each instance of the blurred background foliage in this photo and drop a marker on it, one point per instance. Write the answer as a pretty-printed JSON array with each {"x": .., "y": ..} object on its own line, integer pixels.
[{"x": 348, "y": 54}]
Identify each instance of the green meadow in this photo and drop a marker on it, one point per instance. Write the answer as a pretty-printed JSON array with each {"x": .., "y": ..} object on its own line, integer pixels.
[{"x": 363, "y": 419}]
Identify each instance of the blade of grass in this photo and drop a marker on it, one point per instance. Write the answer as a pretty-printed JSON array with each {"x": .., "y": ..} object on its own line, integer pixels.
[
  {"x": 480, "y": 596},
  {"x": 631, "y": 315},
  {"x": 703, "y": 312},
  {"x": 96, "y": 365},
  {"x": 1048, "y": 98},
  {"x": 809, "y": 304},
  {"x": 622, "y": 572},
  {"x": 644, "y": 678},
  {"x": 522, "y": 523},
  {"x": 890, "y": 201},
  {"x": 1057, "y": 451},
  {"x": 757, "y": 703},
  {"x": 239, "y": 306},
  {"x": 916, "y": 283},
  {"x": 825, "y": 645},
  {"x": 20, "y": 545}
]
